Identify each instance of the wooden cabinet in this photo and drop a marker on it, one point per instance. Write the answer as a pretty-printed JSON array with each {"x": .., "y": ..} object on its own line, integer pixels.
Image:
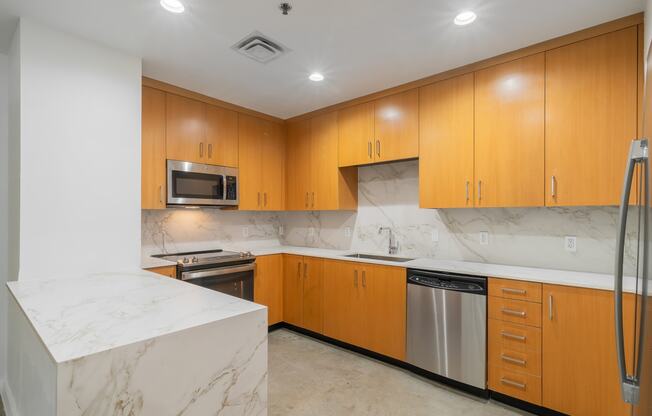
[
  {"x": 268, "y": 286},
  {"x": 153, "y": 179},
  {"x": 381, "y": 131},
  {"x": 591, "y": 118},
  {"x": 509, "y": 134},
  {"x": 446, "y": 144},
  {"x": 580, "y": 372},
  {"x": 365, "y": 305},
  {"x": 201, "y": 133},
  {"x": 169, "y": 271},
  {"x": 261, "y": 154},
  {"x": 303, "y": 292},
  {"x": 314, "y": 180},
  {"x": 356, "y": 135}
]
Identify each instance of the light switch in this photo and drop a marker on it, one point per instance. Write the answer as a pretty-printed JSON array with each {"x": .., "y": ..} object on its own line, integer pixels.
[
  {"x": 570, "y": 243},
  {"x": 484, "y": 238}
]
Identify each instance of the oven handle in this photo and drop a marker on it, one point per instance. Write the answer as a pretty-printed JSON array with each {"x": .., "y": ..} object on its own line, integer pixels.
[{"x": 217, "y": 272}]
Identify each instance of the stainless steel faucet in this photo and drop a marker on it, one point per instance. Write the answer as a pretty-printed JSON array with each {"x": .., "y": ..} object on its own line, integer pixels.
[{"x": 393, "y": 243}]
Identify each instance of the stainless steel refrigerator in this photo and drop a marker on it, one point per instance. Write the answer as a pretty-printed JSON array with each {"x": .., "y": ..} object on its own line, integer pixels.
[{"x": 635, "y": 370}]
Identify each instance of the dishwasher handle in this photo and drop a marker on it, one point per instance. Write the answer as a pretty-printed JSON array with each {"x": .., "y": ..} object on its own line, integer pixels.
[{"x": 458, "y": 283}]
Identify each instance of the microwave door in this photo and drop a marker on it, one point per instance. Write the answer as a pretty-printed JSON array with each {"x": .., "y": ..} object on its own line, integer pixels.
[{"x": 197, "y": 184}]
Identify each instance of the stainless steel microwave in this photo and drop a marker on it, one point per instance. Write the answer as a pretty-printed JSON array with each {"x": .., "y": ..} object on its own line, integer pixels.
[{"x": 196, "y": 184}]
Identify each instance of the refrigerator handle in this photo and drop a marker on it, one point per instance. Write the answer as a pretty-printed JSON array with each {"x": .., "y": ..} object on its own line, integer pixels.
[{"x": 629, "y": 383}]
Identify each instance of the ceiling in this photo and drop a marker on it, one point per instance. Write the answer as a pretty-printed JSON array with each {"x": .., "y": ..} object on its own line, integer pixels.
[{"x": 361, "y": 46}]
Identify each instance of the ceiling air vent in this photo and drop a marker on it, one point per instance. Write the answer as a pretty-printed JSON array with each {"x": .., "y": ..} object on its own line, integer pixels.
[{"x": 260, "y": 47}]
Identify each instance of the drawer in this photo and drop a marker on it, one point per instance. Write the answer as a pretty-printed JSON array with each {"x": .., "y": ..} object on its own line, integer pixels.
[
  {"x": 515, "y": 311},
  {"x": 520, "y": 386},
  {"x": 522, "y": 362},
  {"x": 515, "y": 289},
  {"x": 514, "y": 336}
]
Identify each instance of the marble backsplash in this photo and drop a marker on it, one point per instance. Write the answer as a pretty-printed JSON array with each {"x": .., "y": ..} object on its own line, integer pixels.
[{"x": 388, "y": 196}]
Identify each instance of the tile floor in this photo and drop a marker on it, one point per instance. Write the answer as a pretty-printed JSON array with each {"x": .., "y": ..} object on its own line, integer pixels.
[{"x": 311, "y": 378}]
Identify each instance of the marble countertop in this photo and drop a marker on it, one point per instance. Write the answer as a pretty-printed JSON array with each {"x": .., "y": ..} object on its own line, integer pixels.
[{"x": 79, "y": 317}]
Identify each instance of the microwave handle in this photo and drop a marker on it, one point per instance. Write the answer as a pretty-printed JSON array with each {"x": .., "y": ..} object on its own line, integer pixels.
[{"x": 224, "y": 187}]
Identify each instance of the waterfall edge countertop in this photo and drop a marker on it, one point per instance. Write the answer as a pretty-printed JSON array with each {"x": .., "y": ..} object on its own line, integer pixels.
[
  {"x": 587, "y": 280},
  {"x": 82, "y": 316}
]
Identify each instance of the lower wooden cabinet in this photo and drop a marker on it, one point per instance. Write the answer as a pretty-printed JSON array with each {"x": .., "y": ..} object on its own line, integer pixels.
[
  {"x": 268, "y": 286},
  {"x": 303, "y": 292},
  {"x": 169, "y": 271},
  {"x": 365, "y": 305}
]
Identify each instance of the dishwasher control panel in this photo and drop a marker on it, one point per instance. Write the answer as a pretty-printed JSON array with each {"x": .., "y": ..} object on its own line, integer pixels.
[{"x": 448, "y": 281}]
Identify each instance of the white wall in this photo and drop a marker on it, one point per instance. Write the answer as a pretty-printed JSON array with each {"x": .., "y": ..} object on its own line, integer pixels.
[
  {"x": 4, "y": 207},
  {"x": 79, "y": 156}
]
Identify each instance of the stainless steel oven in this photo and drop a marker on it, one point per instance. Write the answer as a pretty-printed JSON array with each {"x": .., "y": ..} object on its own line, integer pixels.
[{"x": 196, "y": 184}]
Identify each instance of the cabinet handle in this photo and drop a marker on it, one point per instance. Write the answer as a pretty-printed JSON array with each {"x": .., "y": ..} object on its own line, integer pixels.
[
  {"x": 313, "y": 199},
  {"x": 258, "y": 199},
  {"x": 369, "y": 149},
  {"x": 506, "y": 334},
  {"x": 306, "y": 199},
  {"x": 299, "y": 269},
  {"x": 479, "y": 190},
  {"x": 160, "y": 193},
  {"x": 364, "y": 278},
  {"x": 514, "y": 291},
  {"x": 509, "y": 382},
  {"x": 553, "y": 190},
  {"x": 514, "y": 313},
  {"x": 378, "y": 147},
  {"x": 210, "y": 150},
  {"x": 201, "y": 149},
  {"x": 467, "y": 191},
  {"x": 550, "y": 305},
  {"x": 355, "y": 278},
  {"x": 265, "y": 198},
  {"x": 513, "y": 360},
  {"x": 305, "y": 270}
]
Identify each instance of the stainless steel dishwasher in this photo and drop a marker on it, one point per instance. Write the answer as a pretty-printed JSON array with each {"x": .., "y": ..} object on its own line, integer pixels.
[{"x": 447, "y": 325}]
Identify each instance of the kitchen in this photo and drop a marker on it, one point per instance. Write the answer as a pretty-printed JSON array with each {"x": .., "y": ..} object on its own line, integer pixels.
[{"x": 439, "y": 240}]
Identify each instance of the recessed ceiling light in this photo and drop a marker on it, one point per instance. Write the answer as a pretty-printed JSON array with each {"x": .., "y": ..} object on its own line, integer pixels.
[
  {"x": 465, "y": 18},
  {"x": 174, "y": 6},
  {"x": 316, "y": 76}
]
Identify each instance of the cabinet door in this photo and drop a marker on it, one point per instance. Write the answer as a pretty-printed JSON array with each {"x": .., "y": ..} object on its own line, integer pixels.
[
  {"x": 397, "y": 126},
  {"x": 273, "y": 166},
  {"x": 385, "y": 305},
  {"x": 292, "y": 289},
  {"x": 221, "y": 136},
  {"x": 446, "y": 144},
  {"x": 356, "y": 135},
  {"x": 312, "y": 316},
  {"x": 298, "y": 168},
  {"x": 342, "y": 301},
  {"x": 509, "y": 122},
  {"x": 591, "y": 107},
  {"x": 250, "y": 162},
  {"x": 580, "y": 372},
  {"x": 185, "y": 129},
  {"x": 323, "y": 162},
  {"x": 268, "y": 286},
  {"x": 153, "y": 150}
]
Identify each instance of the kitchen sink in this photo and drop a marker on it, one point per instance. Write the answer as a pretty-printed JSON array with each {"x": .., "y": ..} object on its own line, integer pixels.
[{"x": 375, "y": 257}]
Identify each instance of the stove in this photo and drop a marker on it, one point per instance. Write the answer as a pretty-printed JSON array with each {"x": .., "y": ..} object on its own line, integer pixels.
[{"x": 228, "y": 272}]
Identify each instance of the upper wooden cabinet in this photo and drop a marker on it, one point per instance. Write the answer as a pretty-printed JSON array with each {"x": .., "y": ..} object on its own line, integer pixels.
[
  {"x": 261, "y": 154},
  {"x": 201, "y": 133},
  {"x": 380, "y": 131},
  {"x": 580, "y": 371},
  {"x": 356, "y": 135},
  {"x": 509, "y": 133},
  {"x": 446, "y": 144},
  {"x": 314, "y": 180},
  {"x": 591, "y": 117},
  {"x": 153, "y": 173}
]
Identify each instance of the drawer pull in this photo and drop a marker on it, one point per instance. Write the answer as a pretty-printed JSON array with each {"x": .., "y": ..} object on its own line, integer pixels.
[
  {"x": 513, "y": 360},
  {"x": 506, "y": 334},
  {"x": 513, "y": 312},
  {"x": 511, "y": 383},
  {"x": 514, "y": 291}
]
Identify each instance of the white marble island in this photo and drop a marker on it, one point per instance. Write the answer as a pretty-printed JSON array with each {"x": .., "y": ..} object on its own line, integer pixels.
[{"x": 134, "y": 344}]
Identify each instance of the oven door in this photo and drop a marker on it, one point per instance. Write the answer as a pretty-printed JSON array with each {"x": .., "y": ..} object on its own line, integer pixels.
[
  {"x": 199, "y": 184},
  {"x": 235, "y": 280}
]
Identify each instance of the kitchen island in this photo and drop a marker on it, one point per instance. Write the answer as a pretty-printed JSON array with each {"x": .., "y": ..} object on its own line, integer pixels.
[{"x": 133, "y": 344}]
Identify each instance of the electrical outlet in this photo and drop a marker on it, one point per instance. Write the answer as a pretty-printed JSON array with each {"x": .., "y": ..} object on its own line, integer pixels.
[
  {"x": 245, "y": 232},
  {"x": 570, "y": 243},
  {"x": 484, "y": 238},
  {"x": 434, "y": 236},
  {"x": 281, "y": 230},
  {"x": 311, "y": 231},
  {"x": 347, "y": 231}
]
